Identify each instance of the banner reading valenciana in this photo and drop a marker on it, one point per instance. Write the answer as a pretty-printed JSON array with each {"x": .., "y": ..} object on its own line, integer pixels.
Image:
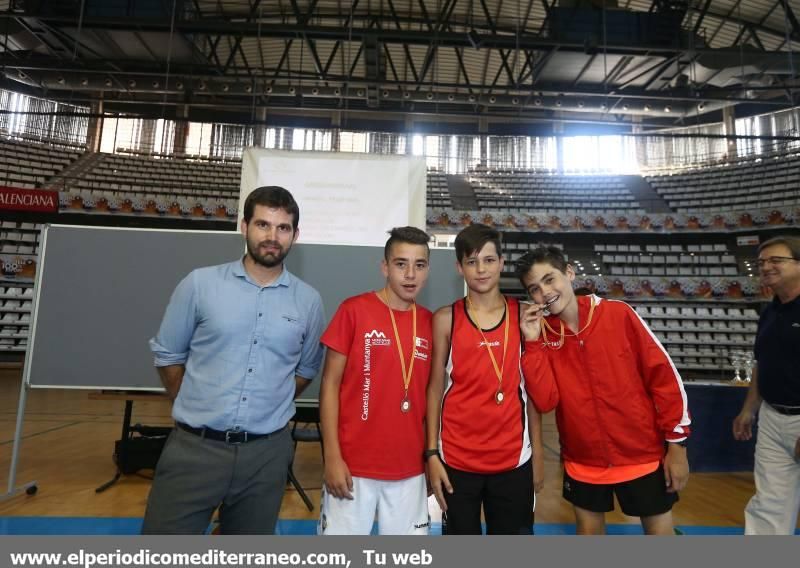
[{"x": 17, "y": 199}]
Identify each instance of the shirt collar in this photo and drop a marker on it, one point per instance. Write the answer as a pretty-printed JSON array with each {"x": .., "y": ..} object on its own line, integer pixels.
[
  {"x": 283, "y": 280},
  {"x": 790, "y": 305}
]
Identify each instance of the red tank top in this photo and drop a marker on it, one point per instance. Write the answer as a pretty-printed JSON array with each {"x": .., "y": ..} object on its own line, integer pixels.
[{"x": 477, "y": 434}]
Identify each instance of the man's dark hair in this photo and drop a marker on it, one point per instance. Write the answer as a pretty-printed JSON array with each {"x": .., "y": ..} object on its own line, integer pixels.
[
  {"x": 275, "y": 197},
  {"x": 474, "y": 238},
  {"x": 790, "y": 241},
  {"x": 410, "y": 235},
  {"x": 540, "y": 255}
]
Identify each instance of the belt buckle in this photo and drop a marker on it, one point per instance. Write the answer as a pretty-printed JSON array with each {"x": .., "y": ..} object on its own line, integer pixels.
[{"x": 240, "y": 437}]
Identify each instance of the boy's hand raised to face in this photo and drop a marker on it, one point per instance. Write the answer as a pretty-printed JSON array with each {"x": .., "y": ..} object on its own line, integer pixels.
[{"x": 530, "y": 320}]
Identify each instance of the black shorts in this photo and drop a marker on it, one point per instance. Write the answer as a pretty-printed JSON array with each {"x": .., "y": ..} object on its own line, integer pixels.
[
  {"x": 641, "y": 497},
  {"x": 507, "y": 498}
]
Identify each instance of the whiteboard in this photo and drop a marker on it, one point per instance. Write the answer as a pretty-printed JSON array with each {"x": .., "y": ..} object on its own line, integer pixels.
[{"x": 344, "y": 198}]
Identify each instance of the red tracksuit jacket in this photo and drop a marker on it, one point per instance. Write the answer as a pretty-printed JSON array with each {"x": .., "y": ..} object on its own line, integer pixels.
[{"x": 616, "y": 392}]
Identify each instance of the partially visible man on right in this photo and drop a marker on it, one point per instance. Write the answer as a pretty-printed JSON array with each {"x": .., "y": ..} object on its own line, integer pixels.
[{"x": 776, "y": 382}]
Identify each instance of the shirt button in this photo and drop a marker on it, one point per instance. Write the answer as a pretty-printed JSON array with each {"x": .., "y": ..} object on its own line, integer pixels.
[
  {"x": 244, "y": 398},
  {"x": 255, "y": 341},
  {"x": 260, "y": 314},
  {"x": 249, "y": 370}
]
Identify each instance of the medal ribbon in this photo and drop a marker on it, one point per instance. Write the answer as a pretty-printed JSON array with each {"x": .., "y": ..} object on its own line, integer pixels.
[
  {"x": 498, "y": 370},
  {"x": 562, "y": 333},
  {"x": 406, "y": 375}
]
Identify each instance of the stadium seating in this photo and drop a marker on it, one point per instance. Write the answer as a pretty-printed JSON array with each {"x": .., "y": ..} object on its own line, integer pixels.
[
  {"x": 29, "y": 165},
  {"x": 762, "y": 184},
  {"x": 519, "y": 191}
]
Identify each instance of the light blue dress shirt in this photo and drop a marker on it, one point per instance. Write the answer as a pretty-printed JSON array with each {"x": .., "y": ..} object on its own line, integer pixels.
[{"x": 242, "y": 345}]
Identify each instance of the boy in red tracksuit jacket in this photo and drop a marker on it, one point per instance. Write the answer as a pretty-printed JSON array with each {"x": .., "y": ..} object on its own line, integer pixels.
[{"x": 619, "y": 399}]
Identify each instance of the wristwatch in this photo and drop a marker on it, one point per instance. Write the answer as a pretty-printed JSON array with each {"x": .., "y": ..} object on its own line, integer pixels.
[{"x": 430, "y": 453}]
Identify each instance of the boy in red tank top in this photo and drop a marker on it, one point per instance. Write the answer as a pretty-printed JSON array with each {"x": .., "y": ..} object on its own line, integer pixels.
[
  {"x": 479, "y": 442},
  {"x": 618, "y": 398},
  {"x": 372, "y": 400}
]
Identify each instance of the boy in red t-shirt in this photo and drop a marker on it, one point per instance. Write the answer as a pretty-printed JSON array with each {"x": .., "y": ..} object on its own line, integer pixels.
[{"x": 372, "y": 400}]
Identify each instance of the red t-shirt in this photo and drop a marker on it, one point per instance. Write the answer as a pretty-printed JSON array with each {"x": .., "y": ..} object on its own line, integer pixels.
[
  {"x": 377, "y": 439},
  {"x": 477, "y": 434}
]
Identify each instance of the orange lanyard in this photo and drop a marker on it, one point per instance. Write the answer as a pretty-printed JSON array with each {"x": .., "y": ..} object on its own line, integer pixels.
[
  {"x": 562, "y": 333},
  {"x": 498, "y": 370},
  {"x": 405, "y": 406}
]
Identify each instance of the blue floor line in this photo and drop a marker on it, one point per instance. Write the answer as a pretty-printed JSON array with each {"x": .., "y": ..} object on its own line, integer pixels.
[{"x": 132, "y": 526}]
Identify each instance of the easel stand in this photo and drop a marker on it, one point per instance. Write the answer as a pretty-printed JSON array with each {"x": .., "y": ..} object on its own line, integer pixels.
[{"x": 31, "y": 487}]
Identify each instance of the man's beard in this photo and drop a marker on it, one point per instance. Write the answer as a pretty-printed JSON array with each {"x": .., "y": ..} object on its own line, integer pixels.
[{"x": 269, "y": 260}]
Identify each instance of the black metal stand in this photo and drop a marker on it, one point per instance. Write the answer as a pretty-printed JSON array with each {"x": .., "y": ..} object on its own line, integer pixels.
[
  {"x": 300, "y": 490},
  {"x": 122, "y": 454}
]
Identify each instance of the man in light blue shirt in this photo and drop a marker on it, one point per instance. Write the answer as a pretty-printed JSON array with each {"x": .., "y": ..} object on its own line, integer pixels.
[{"x": 237, "y": 344}]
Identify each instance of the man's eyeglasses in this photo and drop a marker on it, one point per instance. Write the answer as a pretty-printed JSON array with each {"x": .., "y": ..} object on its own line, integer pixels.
[{"x": 774, "y": 260}]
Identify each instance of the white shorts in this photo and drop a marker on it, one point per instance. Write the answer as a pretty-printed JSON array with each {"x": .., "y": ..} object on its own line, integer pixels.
[{"x": 401, "y": 507}]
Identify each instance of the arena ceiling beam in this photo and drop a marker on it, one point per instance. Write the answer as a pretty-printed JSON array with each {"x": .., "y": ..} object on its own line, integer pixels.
[
  {"x": 206, "y": 71},
  {"x": 758, "y": 26},
  {"x": 514, "y": 65},
  {"x": 790, "y": 16},
  {"x": 701, "y": 17},
  {"x": 492, "y": 40}
]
